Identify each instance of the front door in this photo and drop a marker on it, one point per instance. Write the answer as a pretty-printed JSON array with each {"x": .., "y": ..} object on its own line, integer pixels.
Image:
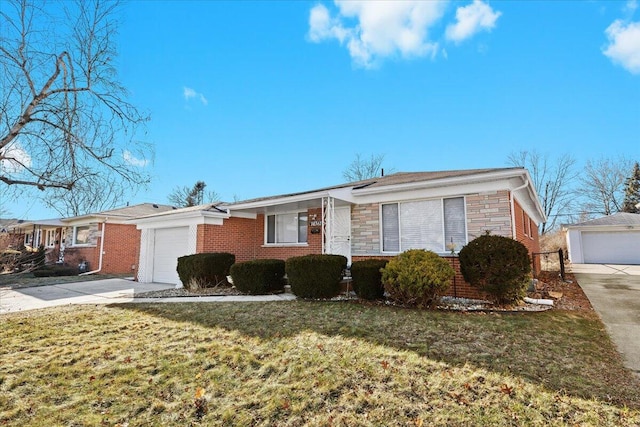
[{"x": 341, "y": 233}]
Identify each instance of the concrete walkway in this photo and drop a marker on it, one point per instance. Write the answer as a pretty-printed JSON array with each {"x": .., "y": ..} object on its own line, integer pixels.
[
  {"x": 108, "y": 291},
  {"x": 614, "y": 292}
]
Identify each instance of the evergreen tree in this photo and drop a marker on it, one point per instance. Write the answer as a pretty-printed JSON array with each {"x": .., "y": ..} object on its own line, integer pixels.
[{"x": 632, "y": 191}]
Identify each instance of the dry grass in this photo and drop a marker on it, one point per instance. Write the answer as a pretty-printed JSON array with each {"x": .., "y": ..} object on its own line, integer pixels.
[{"x": 303, "y": 363}]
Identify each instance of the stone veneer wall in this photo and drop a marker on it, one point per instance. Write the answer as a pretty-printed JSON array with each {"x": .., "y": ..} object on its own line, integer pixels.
[
  {"x": 488, "y": 211},
  {"x": 365, "y": 229}
]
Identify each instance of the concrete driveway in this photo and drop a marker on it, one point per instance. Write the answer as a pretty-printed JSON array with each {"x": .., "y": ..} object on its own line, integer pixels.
[
  {"x": 94, "y": 292},
  {"x": 614, "y": 292}
]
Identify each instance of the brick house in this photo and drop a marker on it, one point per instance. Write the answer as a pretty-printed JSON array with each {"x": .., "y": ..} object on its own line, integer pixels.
[
  {"x": 373, "y": 218},
  {"x": 105, "y": 241}
]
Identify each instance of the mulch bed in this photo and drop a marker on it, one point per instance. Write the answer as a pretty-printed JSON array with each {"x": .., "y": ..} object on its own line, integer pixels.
[{"x": 573, "y": 298}]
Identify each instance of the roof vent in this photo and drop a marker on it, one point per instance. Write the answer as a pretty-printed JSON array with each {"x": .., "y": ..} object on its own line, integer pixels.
[{"x": 155, "y": 206}]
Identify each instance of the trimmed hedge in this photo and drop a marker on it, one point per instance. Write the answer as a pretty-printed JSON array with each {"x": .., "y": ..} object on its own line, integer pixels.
[
  {"x": 315, "y": 276},
  {"x": 417, "y": 278},
  {"x": 56, "y": 271},
  {"x": 497, "y": 265},
  {"x": 258, "y": 277},
  {"x": 367, "y": 278},
  {"x": 208, "y": 270}
]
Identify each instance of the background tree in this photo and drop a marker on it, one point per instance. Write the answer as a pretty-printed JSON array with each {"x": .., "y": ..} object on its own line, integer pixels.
[
  {"x": 553, "y": 181},
  {"x": 362, "y": 168},
  {"x": 632, "y": 191},
  {"x": 192, "y": 196},
  {"x": 100, "y": 197},
  {"x": 64, "y": 117},
  {"x": 602, "y": 185}
]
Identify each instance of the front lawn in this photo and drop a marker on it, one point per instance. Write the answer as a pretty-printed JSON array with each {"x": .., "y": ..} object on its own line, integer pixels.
[{"x": 296, "y": 363}]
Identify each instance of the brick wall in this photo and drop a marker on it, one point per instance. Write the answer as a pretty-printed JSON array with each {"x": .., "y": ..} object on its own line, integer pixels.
[
  {"x": 488, "y": 211},
  {"x": 236, "y": 236},
  {"x": 244, "y": 238},
  {"x": 458, "y": 287},
  {"x": 365, "y": 229},
  {"x": 121, "y": 247},
  {"x": 527, "y": 234}
]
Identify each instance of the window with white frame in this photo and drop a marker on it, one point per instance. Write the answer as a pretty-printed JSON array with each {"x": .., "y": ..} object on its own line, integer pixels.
[
  {"x": 434, "y": 225},
  {"x": 286, "y": 228},
  {"x": 81, "y": 234},
  {"x": 50, "y": 240}
]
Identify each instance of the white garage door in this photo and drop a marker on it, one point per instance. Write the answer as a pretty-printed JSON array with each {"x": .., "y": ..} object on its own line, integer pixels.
[
  {"x": 617, "y": 247},
  {"x": 170, "y": 243}
]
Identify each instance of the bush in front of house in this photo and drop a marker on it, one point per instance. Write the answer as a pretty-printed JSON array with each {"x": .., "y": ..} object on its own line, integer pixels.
[
  {"x": 417, "y": 278},
  {"x": 258, "y": 277},
  {"x": 205, "y": 270},
  {"x": 315, "y": 276},
  {"x": 497, "y": 265},
  {"x": 56, "y": 271},
  {"x": 367, "y": 278}
]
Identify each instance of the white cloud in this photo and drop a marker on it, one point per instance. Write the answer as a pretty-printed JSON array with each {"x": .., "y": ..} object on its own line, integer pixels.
[
  {"x": 133, "y": 160},
  {"x": 624, "y": 45},
  {"x": 375, "y": 30},
  {"x": 14, "y": 158},
  {"x": 472, "y": 19},
  {"x": 189, "y": 93},
  {"x": 631, "y": 6}
]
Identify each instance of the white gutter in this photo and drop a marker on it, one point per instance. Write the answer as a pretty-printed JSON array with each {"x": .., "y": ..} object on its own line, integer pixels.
[
  {"x": 513, "y": 208},
  {"x": 104, "y": 225}
]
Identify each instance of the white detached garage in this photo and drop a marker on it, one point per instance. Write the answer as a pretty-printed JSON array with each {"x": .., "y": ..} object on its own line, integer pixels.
[{"x": 613, "y": 239}]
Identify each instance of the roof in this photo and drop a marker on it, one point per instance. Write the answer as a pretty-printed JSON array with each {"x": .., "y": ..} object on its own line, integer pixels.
[
  {"x": 135, "y": 211},
  {"x": 207, "y": 207},
  {"x": 393, "y": 179},
  {"x": 617, "y": 219}
]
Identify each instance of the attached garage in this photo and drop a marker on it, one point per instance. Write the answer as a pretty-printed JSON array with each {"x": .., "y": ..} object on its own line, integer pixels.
[
  {"x": 169, "y": 235},
  {"x": 170, "y": 243},
  {"x": 613, "y": 239}
]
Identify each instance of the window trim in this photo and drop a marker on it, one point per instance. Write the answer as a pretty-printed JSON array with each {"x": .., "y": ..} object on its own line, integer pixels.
[
  {"x": 50, "y": 238},
  {"x": 444, "y": 250},
  {"x": 75, "y": 234},
  {"x": 283, "y": 244}
]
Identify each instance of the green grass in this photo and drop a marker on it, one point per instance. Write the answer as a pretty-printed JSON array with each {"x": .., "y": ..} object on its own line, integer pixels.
[{"x": 308, "y": 363}]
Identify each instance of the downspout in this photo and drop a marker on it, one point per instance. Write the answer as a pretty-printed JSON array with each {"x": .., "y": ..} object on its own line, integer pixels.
[
  {"x": 513, "y": 208},
  {"x": 104, "y": 225}
]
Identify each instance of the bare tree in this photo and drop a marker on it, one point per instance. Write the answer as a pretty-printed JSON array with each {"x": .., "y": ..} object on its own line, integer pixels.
[
  {"x": 96, "y": 196},
  {"x": 552, "y": 179},
  {"x": 602, "y": 185},
  {"x": 362, "y": 168},
  {"x": 192, "y": 196},
  {"x": 64, "y": 117}
]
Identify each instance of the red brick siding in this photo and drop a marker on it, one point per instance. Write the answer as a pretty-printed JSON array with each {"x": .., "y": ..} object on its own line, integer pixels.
[
  {"x": 74, "y": 255},
  {"x": 236, "y": 236},
  {"x": 121, "y": 248},
  {"x": 458, "y": 287},
  {"x": 245, "y": 239},
  {"x": 532, "y": 242}
]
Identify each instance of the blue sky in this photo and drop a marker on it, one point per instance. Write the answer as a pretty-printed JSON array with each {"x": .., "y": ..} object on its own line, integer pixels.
[{"x": 263, "y": 98}]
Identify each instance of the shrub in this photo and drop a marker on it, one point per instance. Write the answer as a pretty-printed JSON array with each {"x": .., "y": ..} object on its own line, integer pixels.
[
  {"x": 417, "y": 277},
  {"x": 210, "y": 269},
  {"x": 497, "y": 265},
  {"x": 367, "y": 278},
  {"x": 315, "y": 276},
  {"x": 258, "y": 277},
  {"x": 56, "y": 271}
]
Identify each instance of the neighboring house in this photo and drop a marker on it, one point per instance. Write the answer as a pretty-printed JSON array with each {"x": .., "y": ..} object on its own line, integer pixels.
[
  {"x": 104, "y": 241},
  {"x": 373, "y": 218},
  {"x": 11, "y": 236},
  {"x": 613, "y": 239}
]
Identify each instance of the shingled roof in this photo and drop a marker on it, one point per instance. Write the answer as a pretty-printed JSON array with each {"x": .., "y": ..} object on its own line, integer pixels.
[{"x": 620, "y": 218}]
